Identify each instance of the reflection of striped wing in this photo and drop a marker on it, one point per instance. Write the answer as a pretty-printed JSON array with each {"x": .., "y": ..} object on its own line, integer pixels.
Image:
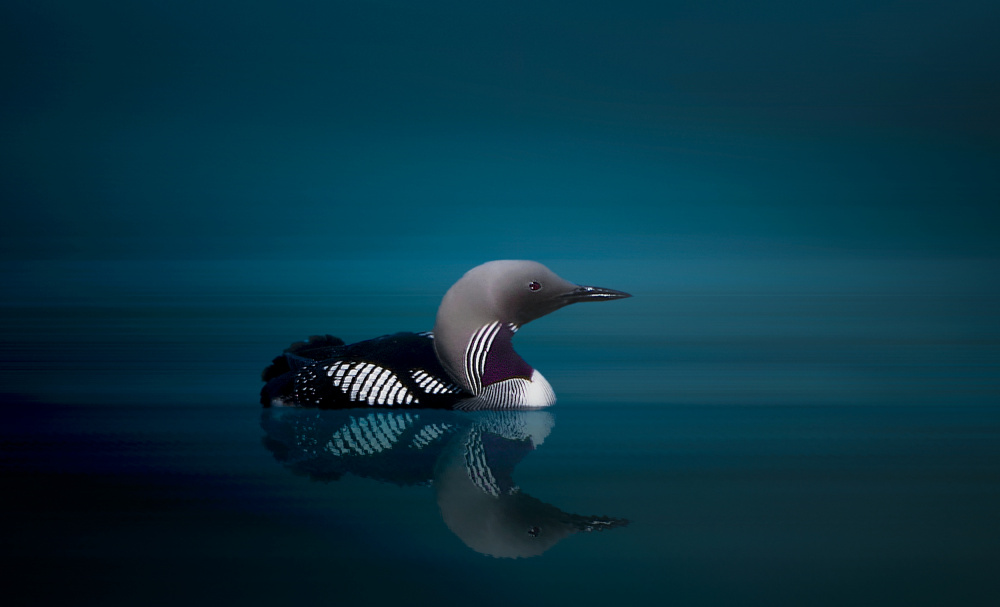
[
  {"x": 400, "y": 447},
  {"x": 378, "y": 432}
]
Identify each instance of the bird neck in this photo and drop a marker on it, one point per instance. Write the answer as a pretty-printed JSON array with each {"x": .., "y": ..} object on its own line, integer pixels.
[
  {"x": 490, "y": 357},
  {"x": 481, "y": 355}
]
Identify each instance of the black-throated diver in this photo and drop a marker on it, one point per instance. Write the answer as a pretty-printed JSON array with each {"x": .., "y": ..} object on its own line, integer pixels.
[{"x": 467, "y": 362}]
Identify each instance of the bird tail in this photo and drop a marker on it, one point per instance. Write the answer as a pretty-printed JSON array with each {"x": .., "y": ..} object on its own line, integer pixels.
[
  {"x": 317, "y": 347},
  {"x": 279, "y": 375}
]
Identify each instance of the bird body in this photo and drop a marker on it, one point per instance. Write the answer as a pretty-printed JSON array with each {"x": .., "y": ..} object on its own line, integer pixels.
[{"x": 467, "y": 362}]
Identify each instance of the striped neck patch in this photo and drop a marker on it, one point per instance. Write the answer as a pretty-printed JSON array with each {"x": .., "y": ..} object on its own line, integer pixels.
[
  {"x": 475, "y": 355},
  {"x": 490, "y": 357}
]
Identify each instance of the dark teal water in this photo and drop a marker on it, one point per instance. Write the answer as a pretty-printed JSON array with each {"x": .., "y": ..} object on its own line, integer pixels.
[
  {"x": 835, "y": 443},
  {"x": 800, "y": 405}
]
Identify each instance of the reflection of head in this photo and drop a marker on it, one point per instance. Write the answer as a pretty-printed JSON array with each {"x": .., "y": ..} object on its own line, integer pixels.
[
  {"x": 480, "y": 503},
  {"x": 510, "y": 526}
]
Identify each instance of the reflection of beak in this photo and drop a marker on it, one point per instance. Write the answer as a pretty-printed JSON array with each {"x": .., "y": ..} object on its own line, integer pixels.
[
  {"x": 592, "y": 294},
  {"x": 595, "y": 523}
]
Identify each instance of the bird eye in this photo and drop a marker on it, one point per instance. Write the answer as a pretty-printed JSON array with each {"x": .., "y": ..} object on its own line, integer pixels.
[
  {"x": 534, "y": 531},
  {"x": 535, "y": 286}
]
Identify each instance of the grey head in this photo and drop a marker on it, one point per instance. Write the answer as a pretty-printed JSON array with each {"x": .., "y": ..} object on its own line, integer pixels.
[{"x": 479, "y": 315}]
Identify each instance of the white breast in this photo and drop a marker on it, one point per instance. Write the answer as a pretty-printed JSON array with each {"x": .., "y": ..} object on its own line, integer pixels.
[{"x": 514, "y": 393}]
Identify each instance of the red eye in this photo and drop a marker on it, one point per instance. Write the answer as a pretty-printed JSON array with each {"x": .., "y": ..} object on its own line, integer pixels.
[{"x": 534, "y": 286}]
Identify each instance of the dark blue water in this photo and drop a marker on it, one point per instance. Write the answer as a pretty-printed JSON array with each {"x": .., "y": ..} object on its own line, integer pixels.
[
  {"x": 778, "y": 441},
  {"x": 800, "y": 405}
]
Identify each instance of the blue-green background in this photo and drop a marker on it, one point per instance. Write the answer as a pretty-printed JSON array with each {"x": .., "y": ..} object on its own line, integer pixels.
[{"x": 800, "y": 404}]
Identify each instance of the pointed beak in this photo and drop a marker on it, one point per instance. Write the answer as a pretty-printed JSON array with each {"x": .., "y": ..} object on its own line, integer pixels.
[{"x": 592, "y": 294}]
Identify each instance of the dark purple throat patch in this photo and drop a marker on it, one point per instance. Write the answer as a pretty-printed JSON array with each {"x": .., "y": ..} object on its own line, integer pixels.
[{"x": 502, "y": 362}]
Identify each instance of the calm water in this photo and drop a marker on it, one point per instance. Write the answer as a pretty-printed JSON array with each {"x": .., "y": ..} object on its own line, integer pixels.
[{"x": 835, "y": 445}]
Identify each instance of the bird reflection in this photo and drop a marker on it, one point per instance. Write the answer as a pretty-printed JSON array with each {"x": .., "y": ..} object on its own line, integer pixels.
[{"x": 468, "y": 459}]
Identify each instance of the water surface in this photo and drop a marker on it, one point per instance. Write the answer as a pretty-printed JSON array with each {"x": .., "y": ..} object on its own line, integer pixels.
[{"x": 773, "y": 448}]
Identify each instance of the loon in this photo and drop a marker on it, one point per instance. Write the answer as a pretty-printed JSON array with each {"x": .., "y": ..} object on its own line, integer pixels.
[{"x": 467, "y": 362}]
